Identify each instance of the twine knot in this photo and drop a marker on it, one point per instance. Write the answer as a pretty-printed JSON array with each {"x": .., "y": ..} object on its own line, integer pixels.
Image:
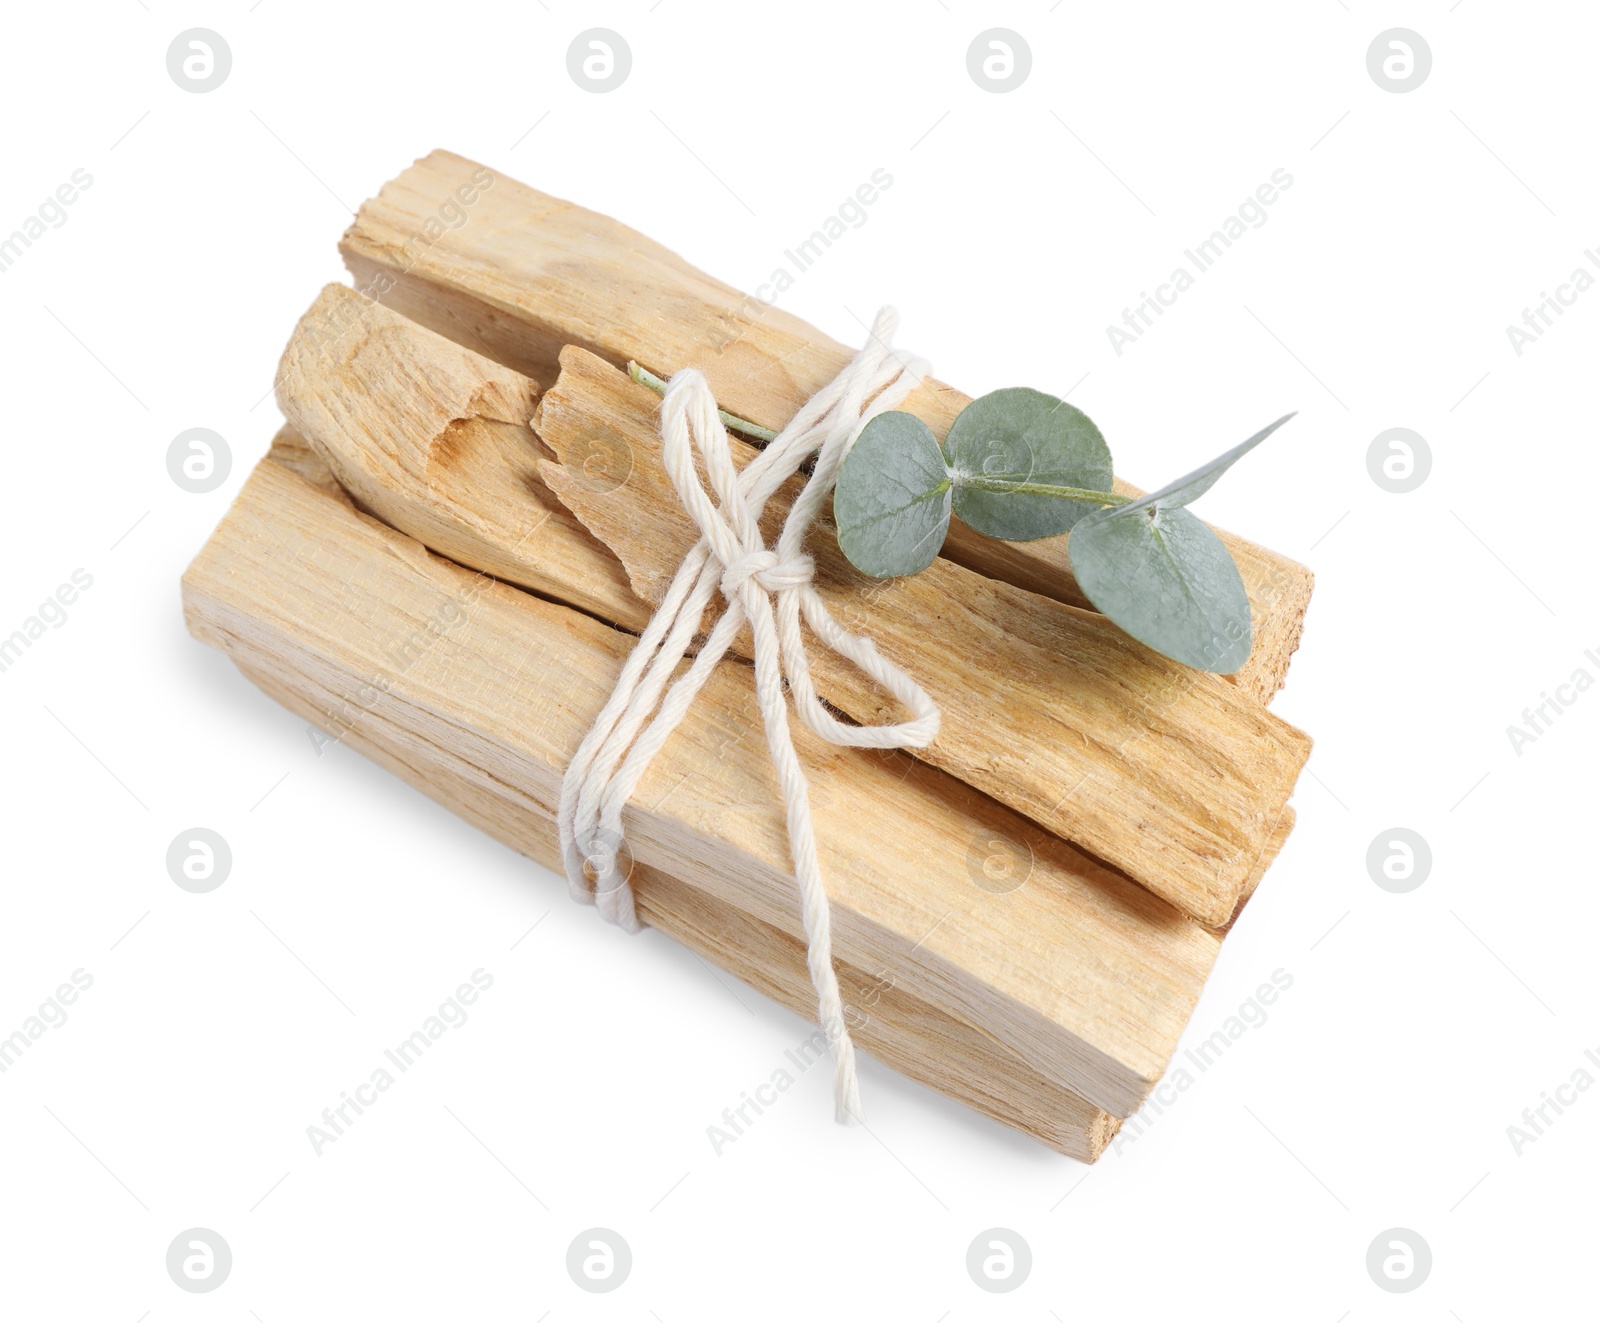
[{"x": 768, "y": 572}]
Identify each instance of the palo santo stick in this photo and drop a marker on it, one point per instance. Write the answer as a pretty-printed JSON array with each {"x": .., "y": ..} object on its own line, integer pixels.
[
  {"x": 1172, "y": 775},
  {"x": 1275, "y": 842},
  {"x": 920, "y": 1042},
  {"x": 904, "y": 1033},
  {"x": 473, "y": 492},
  {"x": 291, "y": 451},
  {"x": 519, "y": 275},
  {"x": 1083, "y": 974}
]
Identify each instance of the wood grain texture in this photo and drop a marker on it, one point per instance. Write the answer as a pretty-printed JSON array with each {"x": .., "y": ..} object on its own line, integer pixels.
[
  {"x": 905, "y": 1033},
  {"x": 1079, "y": 972},
  {"x": 519, "y": 275},
  {"x": 290, "y": 450},
  {"x": 1167, "y": 773},
  {"x": 1275, "y": 842},
  {"x": 472, "y": 491},
  {"x": 1174, "y": 776}
]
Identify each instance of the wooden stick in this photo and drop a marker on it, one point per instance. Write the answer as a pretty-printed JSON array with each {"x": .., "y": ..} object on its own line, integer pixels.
[
  {"x": 518, "y": 275},
  {"x": 1275, "y": 842},
  {"x": 444, "y": 497},
  {"x": 435, "y": 505},
  {"x": 1174, "y": 776},
  {"x": 1170, "y": 774},
  {"x": 1080, "y": 972},
  {"x": 472, "y": 492},
  {"x": 922, "y": 1043}
]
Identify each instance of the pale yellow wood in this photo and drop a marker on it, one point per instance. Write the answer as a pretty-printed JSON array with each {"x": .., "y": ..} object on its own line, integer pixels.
[
  {"x": 1083, "y": 974},
  {"x": 473, "y": 492},
  {"x": 290, "y": 450},
  {"x": 1174, "y": 776},
  {"x": 1275, "y": 842},
  {"x": 905, "y": 1033},
  {"x": 521, "y": 275},
  {"x": 1168, "y": 773}
]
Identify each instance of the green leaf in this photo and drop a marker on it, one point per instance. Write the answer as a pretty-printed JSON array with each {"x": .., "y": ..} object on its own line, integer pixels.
[
  {"x": 1024, "y": 435},
  {"x": 1164, "y": 577},
  {"x": 892, "y": 499},
  {"x": 1194, "y": 485}
]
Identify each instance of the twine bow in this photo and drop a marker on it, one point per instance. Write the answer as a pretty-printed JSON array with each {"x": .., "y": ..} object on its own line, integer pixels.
[{"x": 771, "y": 588}]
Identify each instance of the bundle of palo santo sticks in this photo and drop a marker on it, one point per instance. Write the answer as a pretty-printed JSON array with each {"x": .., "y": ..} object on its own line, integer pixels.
[{"x": 447, "y": 553}]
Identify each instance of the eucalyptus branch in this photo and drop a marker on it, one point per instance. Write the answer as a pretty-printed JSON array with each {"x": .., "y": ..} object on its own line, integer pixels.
[
  {"x": 1010, "y": 486},
  {"x": 755, "y": 431},
  {"x": 1021, "y": 465}
]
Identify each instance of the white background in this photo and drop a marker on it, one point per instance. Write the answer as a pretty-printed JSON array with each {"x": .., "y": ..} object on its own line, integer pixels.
[{"x": 1377, "y": 295}]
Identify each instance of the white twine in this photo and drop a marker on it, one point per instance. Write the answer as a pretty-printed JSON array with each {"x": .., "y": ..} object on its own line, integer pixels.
[{"x": 772, "y": 589}]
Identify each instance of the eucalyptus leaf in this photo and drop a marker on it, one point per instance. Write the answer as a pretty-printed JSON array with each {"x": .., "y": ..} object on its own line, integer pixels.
[
  {"x": 1194, "y": 485},
  {"x": 1164, "y": 577},
  {"x": 891, "y": 502},
  {"x": 1024, "y": 436}
]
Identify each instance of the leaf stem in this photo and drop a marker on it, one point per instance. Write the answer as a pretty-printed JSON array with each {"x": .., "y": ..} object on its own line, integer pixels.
[
  {"x": 982, "y": 484},
  {"x": 645, "y": 377}
]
